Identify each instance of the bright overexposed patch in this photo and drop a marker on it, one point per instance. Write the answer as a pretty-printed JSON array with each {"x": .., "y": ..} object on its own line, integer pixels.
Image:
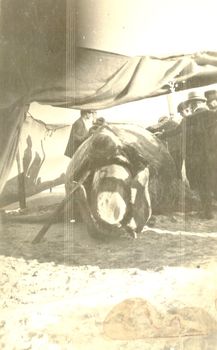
[
  {"x": 114, "y": 171},
  {"x": 68, "y": 304},
  {"x": 132, "y": 224},
  {"x": 44, "y": 343},
  {"x": 39, "y": 319},
  {"x": 111, "y": 207},
  {"x": 117, "y": 171},
  {"x": 53, "y": 115},
  {"x": 144, "y": 112},
  {"x": 145, "y": 27},
  {"x": 180, "y": 232},
  {"x": 48, "y": 143},
  {"x": 143, "y": 177},
  {"x": 133, "y": 194}
]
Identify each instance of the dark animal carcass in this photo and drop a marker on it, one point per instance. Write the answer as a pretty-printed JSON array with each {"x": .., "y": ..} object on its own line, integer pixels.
[{"x": 129, "y": 172}]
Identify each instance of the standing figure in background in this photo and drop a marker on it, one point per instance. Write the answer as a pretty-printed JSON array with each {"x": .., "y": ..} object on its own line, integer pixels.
[
  {"x": 199, "y": 149},
  {"x": 34, "y": 168},
  {"x": 27, "y": 157},
  {"x": 184, "y": 109},
  {"x": 173, "y": 144},
  {"x": 197, "y": 102},
  {"x": 211, "y": 96},
  {"x": 80, "y": 131}
]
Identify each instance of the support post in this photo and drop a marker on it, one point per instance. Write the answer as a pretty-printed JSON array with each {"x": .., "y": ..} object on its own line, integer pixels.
[
  {"x": 21, "y": 183},
  {"x": 170, "y": 100},
  {"x": 58, "y": 210}
]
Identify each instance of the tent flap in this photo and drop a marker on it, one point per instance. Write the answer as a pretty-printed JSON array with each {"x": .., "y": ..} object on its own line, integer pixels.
[
  {"x": 11, "y": 121},
  {"x": 102, "y": 79}
]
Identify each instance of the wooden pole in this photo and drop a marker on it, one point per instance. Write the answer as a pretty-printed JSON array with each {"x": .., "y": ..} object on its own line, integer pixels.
[
  {"x": 21, "y": 183},
  {"x": 58, "y": 210},
  {"x": 170, "y": 99}
]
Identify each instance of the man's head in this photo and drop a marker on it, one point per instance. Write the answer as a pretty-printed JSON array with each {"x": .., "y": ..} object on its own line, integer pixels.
[
  {"x": 196, "y": 101},
  {"x": 184, "y": 109},
  {"x": 88, "y": 114},
  {"x": 163, "y": 119},
  {"x": 211, "y": 96},
  {"x": 192, "y": 104}
]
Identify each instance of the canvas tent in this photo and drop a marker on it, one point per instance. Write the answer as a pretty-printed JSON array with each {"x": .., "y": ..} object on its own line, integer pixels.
[
  {"x": 40, "y": 61},
  {"x": 37, "y": 159}
]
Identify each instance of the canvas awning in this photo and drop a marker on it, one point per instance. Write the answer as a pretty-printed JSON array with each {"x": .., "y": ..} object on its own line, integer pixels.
[{"x": 40, "y": 62}]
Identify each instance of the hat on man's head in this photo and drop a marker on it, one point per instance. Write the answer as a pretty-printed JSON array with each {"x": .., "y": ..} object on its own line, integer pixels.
[
  {"x": 211, "y": 94},
  {"x": 195, "y": 96}
]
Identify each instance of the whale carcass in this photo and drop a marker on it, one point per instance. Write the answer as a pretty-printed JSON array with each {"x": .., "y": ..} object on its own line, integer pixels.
[{"x": 127, "y": 173}]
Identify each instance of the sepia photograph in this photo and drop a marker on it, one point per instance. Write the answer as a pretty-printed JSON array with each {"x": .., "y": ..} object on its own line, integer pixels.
[{"x": 108, "y": 175}]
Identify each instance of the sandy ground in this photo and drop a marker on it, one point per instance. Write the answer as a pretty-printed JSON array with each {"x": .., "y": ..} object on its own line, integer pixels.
[{"x": 72, "y": 292}]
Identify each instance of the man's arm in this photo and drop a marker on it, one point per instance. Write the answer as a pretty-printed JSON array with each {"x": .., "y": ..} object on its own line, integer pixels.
[{"x": 164, "y": 134}]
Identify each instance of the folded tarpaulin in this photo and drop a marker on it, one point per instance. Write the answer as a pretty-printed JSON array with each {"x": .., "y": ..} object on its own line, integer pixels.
[
  {"x": 39, "y": 62},
  {"x": 98, "y": 80},
  {"x": 102, "y": 79}
]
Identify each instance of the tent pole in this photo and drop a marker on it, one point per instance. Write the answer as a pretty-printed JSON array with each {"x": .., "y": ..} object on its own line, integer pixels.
[
  {"x": 60, "y": 208},
  {"x": 21, "y": 183},
  {"x": 171, "y": 105},
  {"x": 170, "y": 100}
]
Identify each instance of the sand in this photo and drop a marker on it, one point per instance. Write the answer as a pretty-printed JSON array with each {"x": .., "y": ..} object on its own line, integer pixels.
[{"x": 72, "y": 292}]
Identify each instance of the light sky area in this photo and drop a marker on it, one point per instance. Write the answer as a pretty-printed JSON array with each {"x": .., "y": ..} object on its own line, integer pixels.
[
  {"x": 139, "y": 27},
  {"x": 145, "y": 112},
  {"x": 147, "y": 27},
  {"x": 142, "y": 112}
]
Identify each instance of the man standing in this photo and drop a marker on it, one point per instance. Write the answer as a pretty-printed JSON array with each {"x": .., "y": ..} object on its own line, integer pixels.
[
  {"x": 80, "y": 131},
  {"x": 184, "y": 109},
  {"x": 199, "y": 148},
  {"x": 172, "y": 143},
  {"x": 211, "y": 96},
  {"x": 196, "y": 102}
]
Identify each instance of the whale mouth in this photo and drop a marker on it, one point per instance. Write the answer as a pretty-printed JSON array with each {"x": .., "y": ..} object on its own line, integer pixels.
[
  {"x": 111, "y": 207},
  {"x": 111, "y": 194}
]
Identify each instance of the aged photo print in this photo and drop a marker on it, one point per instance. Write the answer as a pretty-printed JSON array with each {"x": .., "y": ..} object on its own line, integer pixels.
[{"x": 108, "y": 175}]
